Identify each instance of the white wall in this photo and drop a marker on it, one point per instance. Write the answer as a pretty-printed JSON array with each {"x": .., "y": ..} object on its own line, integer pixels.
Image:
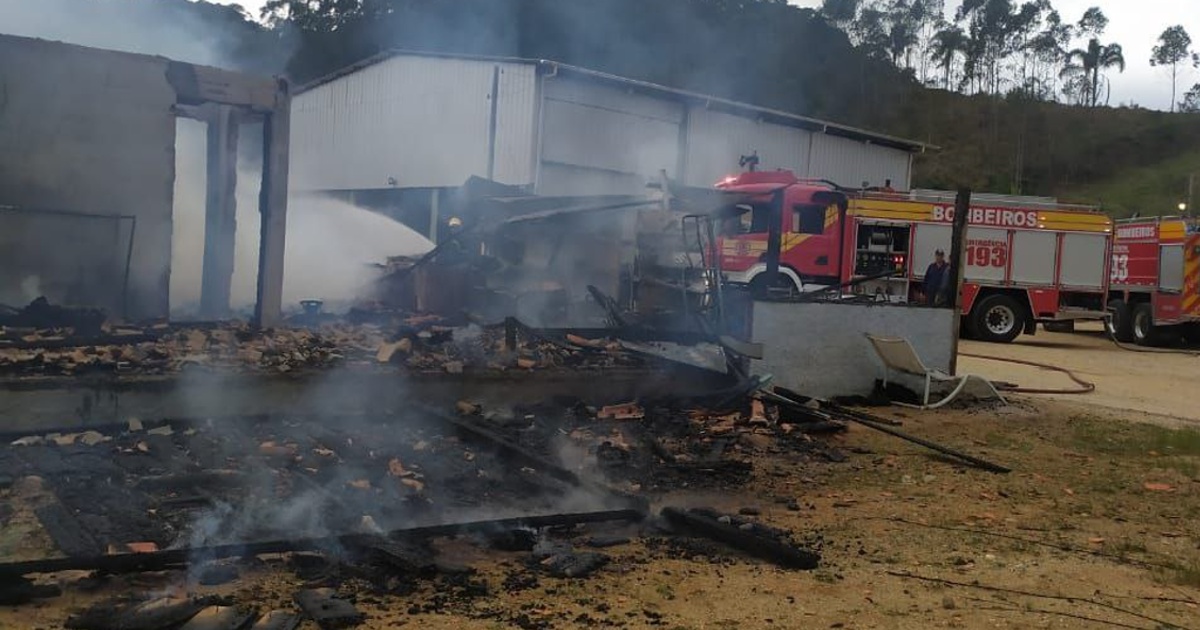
[
  {"x": 596, "y": 136},
  {"x": 412, "y": 121},
  {"x": 852, "y": 162},
  {"x": 820, "y": 349},
  {"x": 716, "y": 140}
]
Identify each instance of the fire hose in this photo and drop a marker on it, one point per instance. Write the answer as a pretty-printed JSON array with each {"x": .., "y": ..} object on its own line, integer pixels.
[
  {"x": 1108, "y": 332},
  {"x": 1085, "y": 387}
]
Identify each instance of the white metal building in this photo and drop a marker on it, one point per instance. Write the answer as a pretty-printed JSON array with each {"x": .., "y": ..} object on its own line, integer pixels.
[{"x": 406, "y": 121}]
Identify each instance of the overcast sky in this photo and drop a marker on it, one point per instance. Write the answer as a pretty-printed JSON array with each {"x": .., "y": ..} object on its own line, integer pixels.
[{"x": 1135, "y": 24}]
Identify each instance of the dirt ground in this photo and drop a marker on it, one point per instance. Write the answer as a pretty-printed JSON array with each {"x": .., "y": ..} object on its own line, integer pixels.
[{"x": 1098, "y": 525}]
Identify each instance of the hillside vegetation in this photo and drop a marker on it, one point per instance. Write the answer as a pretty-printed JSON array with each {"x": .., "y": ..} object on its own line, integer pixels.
[{"x": 1013, "y": 93}]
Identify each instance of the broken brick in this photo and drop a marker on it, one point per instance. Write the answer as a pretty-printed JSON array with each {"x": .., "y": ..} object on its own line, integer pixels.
[
  {"x": 467, "y": 408},
  {"x": 627, "y": 411}
]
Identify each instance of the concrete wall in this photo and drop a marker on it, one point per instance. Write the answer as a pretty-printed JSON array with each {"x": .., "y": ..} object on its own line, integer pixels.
[
  {"x": 91, "y": 131},
  {"x": 820, "y": 349}
]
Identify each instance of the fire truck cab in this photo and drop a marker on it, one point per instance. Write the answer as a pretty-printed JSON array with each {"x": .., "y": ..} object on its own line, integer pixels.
[
  {"x": 1155, "y": 269},
  {"x": 1028, "y": 259}
]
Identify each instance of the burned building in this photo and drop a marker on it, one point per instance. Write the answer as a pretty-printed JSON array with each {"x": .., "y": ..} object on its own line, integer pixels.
[
  {"x": 397, "y": 131},
  {"x": 86, "y": 177}
]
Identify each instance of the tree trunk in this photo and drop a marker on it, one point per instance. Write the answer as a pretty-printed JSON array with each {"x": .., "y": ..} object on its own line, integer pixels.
[{"x": 1174, "y": 73}]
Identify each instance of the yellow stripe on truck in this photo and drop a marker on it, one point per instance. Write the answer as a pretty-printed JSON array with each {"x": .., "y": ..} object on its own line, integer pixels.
[
  {"x": 1074, "y": 221},
  {"x": 1172, "y": 230},
  {"x": 1191, "y": 275}
]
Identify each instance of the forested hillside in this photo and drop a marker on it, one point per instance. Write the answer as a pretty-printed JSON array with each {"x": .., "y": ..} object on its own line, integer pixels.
[{"x": 1014, "y": 93}]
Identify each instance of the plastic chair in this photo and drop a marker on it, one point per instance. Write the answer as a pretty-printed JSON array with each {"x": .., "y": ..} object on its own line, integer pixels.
[{"x": 898, "y": 355}]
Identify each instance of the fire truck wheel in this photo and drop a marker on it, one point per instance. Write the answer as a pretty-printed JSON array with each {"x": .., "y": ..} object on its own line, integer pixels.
[
  {"x": 997, "y": 318},
  {"x": 1145, "y": 333},
  {"x": 1120, "y": 321}
]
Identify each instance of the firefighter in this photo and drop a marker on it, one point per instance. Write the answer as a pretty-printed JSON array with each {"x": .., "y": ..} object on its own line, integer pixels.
[{"x": 937, "y": 279}]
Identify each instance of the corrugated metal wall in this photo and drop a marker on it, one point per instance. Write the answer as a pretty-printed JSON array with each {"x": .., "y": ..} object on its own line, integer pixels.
[
  {"x": 516, "y": 125},
  {"x": 852, "y": 162},
  {"x": 716, "y": 140},
  {"x": 416, "y": 121},
  {"x": 603, "y": 139},
  {"x": 411, "y": 122}
]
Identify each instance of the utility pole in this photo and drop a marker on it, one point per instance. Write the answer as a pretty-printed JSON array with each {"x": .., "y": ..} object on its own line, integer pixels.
[{"x": 958, "y": 260}]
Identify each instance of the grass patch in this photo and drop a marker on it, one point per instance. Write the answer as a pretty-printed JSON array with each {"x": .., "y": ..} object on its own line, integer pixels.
[
  {"x": 825, "y": 577},
  {"x": 1182, "y": 574},
  {"x": 1090, "y": 436},
  {"x": 996, "y": 439},
  {"x": 1125, "y": 546}
]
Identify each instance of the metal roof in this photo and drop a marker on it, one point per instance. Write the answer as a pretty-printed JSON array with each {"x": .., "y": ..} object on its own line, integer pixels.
[{"x": 765, "y": 114}]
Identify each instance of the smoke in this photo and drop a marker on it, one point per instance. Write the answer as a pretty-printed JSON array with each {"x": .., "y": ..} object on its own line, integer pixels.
[
  {"x": 171, "y": 28},
  {"x": 332, "y": 248}
]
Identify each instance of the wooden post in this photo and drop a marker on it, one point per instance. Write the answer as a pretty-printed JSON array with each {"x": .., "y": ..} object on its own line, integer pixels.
[
  {"x": 272, "y": 206},
  {"x": 958, "y": 254},
  {"x": 220, "y": 213},
  {"x": 434, "y": 214}
]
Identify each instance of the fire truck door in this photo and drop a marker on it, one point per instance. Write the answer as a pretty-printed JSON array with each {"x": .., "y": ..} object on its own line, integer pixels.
[
  {"x": 987, "y": 255},
  {"x": 1170, "y": 268},
  {"x": 1083, "y": 260},
  {"x": 1034, "y": 254}
]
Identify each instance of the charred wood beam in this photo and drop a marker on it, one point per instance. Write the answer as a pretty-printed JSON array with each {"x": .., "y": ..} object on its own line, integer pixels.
[
  {"x": 158, "y": 560},
  {"x": 778, "y": 552},
  {"x": 881, "y": 425},
  {"x": 68, "y": 535}
]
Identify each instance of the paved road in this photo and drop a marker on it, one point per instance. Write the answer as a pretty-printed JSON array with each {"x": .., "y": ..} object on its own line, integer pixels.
[{"x": 1155, "y": 383}]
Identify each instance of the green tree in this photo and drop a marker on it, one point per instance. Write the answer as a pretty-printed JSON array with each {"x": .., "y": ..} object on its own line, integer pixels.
[
  {"x": 1174, "y": 48},
  {"x": 840, "y": 13},
  {"x": 1049, "y": 50},
  {"x": 1093, "y": 23},
  {"x": 994, "y": 28},
  {"x": 1088, "y": 64},
  {"x": 1191, "y": 101},
  {"x": 948, "y": 44}
]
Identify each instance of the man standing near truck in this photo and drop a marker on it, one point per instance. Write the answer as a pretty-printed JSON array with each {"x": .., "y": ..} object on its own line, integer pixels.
[{"x": 937, "y": 277}]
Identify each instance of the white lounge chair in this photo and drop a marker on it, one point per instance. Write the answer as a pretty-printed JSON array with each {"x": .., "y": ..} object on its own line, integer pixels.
[{"x": 898, "y": 354}]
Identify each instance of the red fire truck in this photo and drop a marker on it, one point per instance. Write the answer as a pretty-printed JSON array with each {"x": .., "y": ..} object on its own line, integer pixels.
[
  {"x": 1155, "y": 268},
  {"x": 1028, "y": 260}
]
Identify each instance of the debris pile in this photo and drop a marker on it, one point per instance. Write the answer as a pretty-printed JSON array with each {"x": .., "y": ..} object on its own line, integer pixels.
[
  {"x": 177, "y": 485},
  {"x": 655, "y": 447},
  {"x": 361, "y": 508},
  {"x": 416, "y": 343}
]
